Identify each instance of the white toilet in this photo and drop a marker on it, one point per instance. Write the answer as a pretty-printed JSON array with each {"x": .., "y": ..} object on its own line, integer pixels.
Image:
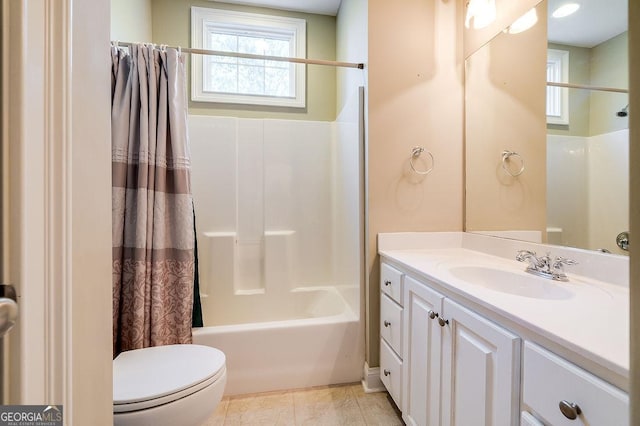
[{"x": 167, "y": 385}]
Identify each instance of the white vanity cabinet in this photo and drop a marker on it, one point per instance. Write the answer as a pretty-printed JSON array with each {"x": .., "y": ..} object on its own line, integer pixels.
[
  {"x": 483, "y": 343},
  {"x": 458, "y": 367}
]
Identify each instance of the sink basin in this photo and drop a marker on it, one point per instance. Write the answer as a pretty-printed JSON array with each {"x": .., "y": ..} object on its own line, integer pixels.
[{"x": 519, "y": 284}]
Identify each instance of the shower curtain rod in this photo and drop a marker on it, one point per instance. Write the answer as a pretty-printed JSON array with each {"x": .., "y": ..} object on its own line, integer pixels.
[
  {"x": 253, "y": 56},
  {"x": 584, "y": 86}
]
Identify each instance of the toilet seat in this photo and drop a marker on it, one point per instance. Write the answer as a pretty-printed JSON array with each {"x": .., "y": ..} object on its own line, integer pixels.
[{"x": 150, "y": 377}]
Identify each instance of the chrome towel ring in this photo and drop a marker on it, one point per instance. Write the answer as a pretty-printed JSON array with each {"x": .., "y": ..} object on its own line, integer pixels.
[
  {"x": 415, "y": 153},
  {"x": 506, "y": 155}
]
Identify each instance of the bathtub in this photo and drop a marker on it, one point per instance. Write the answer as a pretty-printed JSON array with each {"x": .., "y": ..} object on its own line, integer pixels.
[{"x": 321, "y": 342}]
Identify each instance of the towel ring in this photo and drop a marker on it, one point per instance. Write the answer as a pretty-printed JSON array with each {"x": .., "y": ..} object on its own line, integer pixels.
[
  {"x": 508, "y": 154},
  {"x": 415, "y": 153}
]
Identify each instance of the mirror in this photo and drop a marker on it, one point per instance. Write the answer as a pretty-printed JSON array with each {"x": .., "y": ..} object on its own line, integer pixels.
[{"x": 546, "y": 163}]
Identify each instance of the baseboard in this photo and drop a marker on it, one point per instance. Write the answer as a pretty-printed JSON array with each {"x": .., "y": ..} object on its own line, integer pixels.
[{"x": 371, "y": 381}]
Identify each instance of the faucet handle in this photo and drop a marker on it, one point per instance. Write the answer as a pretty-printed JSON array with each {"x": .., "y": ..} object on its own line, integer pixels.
[
  {"x": 559, "y": 261},
  {"x": 557, "y": 267},
  {"x": 524, "y": 254}
]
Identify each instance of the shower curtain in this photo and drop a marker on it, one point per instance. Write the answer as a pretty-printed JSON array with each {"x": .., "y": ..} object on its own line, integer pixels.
[{"x": 153, "y": 217}]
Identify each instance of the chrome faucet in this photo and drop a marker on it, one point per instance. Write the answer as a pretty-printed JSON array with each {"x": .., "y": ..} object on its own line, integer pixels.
[{"x": 544, "y": 266}]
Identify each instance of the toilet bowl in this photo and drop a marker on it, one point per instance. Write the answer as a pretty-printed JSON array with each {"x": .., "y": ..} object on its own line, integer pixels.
[{"x": 167, "y": 385}]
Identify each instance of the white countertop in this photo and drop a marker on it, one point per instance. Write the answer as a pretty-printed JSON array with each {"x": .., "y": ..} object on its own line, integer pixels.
[{"x": 588, "y": 317}]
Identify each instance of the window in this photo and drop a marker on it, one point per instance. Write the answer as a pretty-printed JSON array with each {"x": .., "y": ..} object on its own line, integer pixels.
[
  {"x": 247, "y": 81},
  {"x": 557, "y": 97}
]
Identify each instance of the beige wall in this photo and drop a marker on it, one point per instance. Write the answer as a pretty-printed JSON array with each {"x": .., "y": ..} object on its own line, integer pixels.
[
  {"x": 505, "y": 109},
  {"x": 634, "y": 211},
  {"x": 171, "y": 26},
  {"x": 131, "y": 20},
  {"x": 415, "y": 98}
]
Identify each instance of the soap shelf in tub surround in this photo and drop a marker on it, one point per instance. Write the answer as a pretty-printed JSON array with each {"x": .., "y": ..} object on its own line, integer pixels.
[{"x": 462, "y": 321}]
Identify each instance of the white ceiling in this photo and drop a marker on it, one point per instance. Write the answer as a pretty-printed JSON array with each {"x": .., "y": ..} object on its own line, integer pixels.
[
  {"x": 321, "y": 7},
  {"x": 595, "y": 22}
]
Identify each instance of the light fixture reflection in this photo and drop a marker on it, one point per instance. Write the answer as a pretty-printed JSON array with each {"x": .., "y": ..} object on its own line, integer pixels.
[
  {"x": 483, "y": 13},
  {"x": 565, "y": 10},
  {"x": 524, "y": 22}
]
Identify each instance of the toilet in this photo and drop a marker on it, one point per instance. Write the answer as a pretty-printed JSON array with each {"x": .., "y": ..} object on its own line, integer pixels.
[{"x": 167, "y": 385}]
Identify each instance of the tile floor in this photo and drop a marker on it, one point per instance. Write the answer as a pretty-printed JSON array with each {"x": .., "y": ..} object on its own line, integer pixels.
[{"x": 338, "y": 405}]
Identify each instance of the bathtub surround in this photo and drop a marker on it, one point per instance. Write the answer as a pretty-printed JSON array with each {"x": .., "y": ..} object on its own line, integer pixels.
[
  {"x": 279, "y": 205},
  {"x": 153, "y": 220}
]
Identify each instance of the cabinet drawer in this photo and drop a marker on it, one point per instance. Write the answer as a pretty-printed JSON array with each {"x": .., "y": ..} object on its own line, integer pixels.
[
  {"x": 391, "y": 372},
  {"x": 549, "y": 379},
  {"x": 391, "y": 282},
  {"x": 391, "y": 323}
]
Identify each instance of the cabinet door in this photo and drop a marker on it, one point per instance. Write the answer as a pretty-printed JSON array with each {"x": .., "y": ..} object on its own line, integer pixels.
[
  {"x": 480, "y": 370},
  {"x": 421, "y": 351}
]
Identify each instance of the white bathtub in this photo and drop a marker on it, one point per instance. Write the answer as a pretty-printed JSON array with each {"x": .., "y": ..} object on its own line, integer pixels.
[{"x": 321, "y": 343}]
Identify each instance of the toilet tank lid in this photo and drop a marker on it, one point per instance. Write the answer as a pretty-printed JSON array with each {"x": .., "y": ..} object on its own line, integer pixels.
[{"x": 155, "y": 372}]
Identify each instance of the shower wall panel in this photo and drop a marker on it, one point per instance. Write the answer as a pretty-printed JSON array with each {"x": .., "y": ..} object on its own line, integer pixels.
[
  {"x": 588, "y": 187},
  {"x": 608, "y": 188},
  {"x": 270, "y": 184}
]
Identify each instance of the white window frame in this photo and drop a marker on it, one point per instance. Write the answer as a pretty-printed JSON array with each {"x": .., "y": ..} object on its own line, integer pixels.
[
  {"x": 201, "y": 17},
  {"x": 557, "y": 97}
]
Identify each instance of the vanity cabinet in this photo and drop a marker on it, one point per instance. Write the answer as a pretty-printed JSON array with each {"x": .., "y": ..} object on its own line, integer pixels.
[{"x": 459, "y": 368}]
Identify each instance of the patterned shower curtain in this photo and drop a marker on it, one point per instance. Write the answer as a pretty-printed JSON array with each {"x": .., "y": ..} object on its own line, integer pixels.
[{"x": 153, "y": 220}]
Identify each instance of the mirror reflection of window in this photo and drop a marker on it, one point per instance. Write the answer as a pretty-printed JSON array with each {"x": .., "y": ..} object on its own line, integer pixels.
[{"x": 557, "y": 97}]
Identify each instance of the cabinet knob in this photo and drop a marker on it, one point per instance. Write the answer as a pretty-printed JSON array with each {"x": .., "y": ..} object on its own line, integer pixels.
[
  {"x": 442, "y": 322},
  {"x": 387, "y": 282},
  {"x": 387, "y": 323},
  {"x": 387, "y": 372},
  {"x": 432, "y": 314},
  {"x": 569, "y": 409}
]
